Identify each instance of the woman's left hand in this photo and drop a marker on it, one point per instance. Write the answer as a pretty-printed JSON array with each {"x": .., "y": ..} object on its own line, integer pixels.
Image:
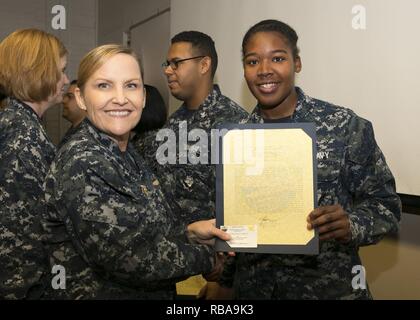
[
  {"x": 332, "y": 223},
  {"x": 215, "y": 274}
]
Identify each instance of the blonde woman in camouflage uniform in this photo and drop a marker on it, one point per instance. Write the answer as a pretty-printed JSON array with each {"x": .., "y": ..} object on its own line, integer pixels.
[{"x": 108, "y": 223}]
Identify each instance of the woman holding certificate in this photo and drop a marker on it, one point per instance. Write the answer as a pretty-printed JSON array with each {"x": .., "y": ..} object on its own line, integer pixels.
[{"x": 357, "y": 201}]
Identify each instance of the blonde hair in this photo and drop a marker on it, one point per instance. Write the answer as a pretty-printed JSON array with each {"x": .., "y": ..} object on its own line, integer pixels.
[
  {"x": 30, "y": 64},
  {"x": 95, "y": 58}
]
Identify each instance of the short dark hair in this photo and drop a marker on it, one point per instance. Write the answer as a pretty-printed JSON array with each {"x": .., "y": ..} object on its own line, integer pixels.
[
  {"x": 154, "y": 114},
  {"x": 73, "y": 82},
  {"x": 202, "y": 43},
  {"x": 273, "y": 26}
]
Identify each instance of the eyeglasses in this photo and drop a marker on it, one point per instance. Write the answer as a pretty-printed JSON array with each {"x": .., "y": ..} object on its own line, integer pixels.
[{"x": 174, "y": 63}]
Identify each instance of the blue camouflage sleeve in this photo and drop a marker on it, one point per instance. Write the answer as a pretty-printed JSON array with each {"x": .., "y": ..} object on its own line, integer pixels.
[
  {"x": 22, "y": 258},
  {"x": 376, "y": 209}
]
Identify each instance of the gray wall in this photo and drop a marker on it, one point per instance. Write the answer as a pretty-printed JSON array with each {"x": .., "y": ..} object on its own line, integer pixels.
[
  {"x": 150, "y": 40},
  {"x": 115, "y": 17},
  {"x": 78, "y": 37},
  {"x": 110, "y": 21}
]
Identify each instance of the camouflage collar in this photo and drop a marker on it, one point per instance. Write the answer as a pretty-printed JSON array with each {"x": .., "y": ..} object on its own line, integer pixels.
[
  {"x": 302, "y": 112},
  {"x": 210, "y": 100},
  {"x": 23, "y": 107},
  {"x": 103, "y": 138}
]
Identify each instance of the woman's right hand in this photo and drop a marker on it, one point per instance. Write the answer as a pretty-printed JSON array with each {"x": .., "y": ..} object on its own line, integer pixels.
[{"x": 205, "y": 232}]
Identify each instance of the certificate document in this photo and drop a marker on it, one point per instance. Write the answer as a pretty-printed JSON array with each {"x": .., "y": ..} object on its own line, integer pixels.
[{"x": 266, "y": 188}]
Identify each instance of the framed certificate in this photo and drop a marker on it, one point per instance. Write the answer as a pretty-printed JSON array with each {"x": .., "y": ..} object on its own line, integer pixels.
[{"x": 266, "y": 187}]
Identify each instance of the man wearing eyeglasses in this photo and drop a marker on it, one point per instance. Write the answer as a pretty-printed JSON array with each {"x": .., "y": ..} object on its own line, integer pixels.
[{"x": 190, "y": 68}]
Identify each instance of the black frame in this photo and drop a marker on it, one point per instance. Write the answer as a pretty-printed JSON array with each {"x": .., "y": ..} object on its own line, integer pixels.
[{"x": 410, "y": 203}]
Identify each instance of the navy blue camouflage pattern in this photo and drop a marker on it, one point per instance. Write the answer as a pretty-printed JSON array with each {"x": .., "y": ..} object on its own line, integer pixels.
[
  {"x": 25, "y": 156},
  {"x": 72, "y": 130}
]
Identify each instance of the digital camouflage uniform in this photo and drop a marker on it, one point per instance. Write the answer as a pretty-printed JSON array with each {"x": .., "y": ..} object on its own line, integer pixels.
[
  {"x": 25, "y": 155},
  {"x": 192, "y": 186},
  {"x": 352, "y": 172},
  {"x": 108, "y": 225},
  {"x": 69, "y": 133}
]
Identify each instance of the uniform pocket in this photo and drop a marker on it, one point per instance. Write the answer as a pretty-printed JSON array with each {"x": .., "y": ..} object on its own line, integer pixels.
[
  {"x": 328, "y": 170},
  {"x": 328, "y": 181}
]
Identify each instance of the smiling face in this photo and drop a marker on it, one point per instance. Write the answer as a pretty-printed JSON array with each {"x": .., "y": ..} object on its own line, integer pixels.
[
  {"x": 113, "y": 97},
  {"x": 269, "y": 70}
]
